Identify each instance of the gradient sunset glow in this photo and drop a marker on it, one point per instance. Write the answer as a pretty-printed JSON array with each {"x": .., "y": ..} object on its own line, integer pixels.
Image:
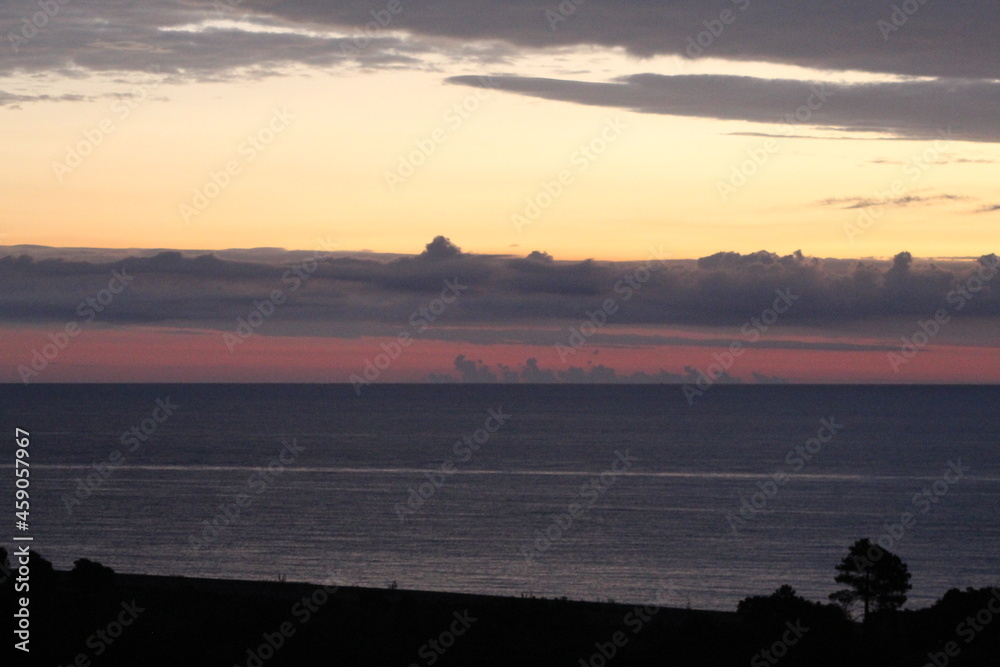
[{"x": 537, "y": 155}]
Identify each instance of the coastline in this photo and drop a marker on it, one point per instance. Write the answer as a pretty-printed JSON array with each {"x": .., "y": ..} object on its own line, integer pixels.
[{"x": 130, "y": 619}]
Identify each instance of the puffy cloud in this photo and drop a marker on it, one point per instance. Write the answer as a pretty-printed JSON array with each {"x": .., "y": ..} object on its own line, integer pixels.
[
  {"x": 358, "y": 295},
  {"x": 440, "y": 249},
  {"x": 737, "y": 261},
  {"x": 539, "y": 256},
  {"x": 473, "y": 371},
  {"x": 531, "y": 373}
]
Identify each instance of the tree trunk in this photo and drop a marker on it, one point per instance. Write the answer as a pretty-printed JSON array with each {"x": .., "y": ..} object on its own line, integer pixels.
[{"x": 868, "y": 594}]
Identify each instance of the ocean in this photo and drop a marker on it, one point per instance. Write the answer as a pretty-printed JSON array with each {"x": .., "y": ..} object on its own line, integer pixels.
[{"x": 592, "y": 492}]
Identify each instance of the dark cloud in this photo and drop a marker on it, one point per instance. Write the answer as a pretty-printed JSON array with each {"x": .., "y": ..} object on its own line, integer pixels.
[
  {"x": 172, "y": 38},
  {"x": 940, "y": 39},
  {"x": 903, "y": 200},
  {"x": 440, "y": 249},
  {"x": 788, "y": 135},
  {"x": 738, "y": 261},
  {"x": 331, "y": 295},
  {"x": 550, "y": 333},
  {"x": 212, "y": 40},
  {"x": 938, "y": 109},
  {"x": 473, "y": 371},
  {"x": 531, "y": 373},
  {"x": 539, "y": 256},
  {"x": 14, "y": 101},
  {"x": 991, "y": 208},
  {"x": 761, "y": 378}
]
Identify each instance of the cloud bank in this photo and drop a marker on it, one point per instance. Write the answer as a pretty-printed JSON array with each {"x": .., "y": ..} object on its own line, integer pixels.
[{"x": 331, "y": 295}]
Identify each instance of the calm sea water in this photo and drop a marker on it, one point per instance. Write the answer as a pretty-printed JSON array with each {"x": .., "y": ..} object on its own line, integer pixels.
[{"x": 346, "y": 503}]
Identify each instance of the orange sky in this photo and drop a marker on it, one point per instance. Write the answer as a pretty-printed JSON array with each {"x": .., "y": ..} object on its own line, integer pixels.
[
  {"x": 323, "y": 172},
  {"x": 200, "y": 126}
]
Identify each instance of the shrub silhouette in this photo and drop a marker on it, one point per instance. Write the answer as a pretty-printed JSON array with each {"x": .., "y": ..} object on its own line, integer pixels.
[
  {"x": 86, "y": 574},
  {"x": 43, "y": 575},
  {"x": 5, "y": 571},
  {"x": 92, "y": 584},
  {"x": 769, "y": 613}
]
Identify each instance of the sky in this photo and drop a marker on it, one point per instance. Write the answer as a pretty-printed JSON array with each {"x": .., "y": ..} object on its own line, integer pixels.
[{"x": 539, "y": 153}]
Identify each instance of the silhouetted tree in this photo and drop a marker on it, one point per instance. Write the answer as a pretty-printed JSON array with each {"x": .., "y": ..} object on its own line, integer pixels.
[{"x": 874, "y": 576}]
